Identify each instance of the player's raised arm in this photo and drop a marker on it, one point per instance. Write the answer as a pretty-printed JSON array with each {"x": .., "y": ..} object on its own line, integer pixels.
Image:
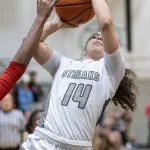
[
  {"x": 44, "y": 54},
  {"x": 103, "y": 15},
  {"x": 54, "y": 26},
  {"x": 25, "y": 53},
  {"x": 114, "y": 60}
]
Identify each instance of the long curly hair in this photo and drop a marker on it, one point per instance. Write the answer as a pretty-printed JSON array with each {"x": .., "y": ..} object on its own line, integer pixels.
[{"x": 127, "y": 91}]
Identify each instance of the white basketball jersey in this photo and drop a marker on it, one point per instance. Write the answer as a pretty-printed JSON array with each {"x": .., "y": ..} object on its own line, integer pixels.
[{"x": 77, "y": 97}]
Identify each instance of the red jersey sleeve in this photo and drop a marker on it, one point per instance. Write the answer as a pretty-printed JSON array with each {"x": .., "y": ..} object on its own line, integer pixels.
[{"x": 10, "y": 76}]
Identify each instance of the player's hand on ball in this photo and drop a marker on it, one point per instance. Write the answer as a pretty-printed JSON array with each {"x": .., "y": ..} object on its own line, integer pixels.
[
  {"x": 66, "y": 25},
  {"x": 63, "y": 24},
  {"x": 45, "y": 7}
]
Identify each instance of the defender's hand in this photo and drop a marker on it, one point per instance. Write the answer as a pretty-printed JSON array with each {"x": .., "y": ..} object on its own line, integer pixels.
[{"x": 45, "y": 7}]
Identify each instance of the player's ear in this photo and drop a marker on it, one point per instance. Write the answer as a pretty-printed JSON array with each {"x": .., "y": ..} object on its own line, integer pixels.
[{"x": 84, "y": 54}]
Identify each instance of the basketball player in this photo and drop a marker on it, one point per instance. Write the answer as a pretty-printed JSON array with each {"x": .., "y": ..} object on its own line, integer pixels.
[{"x": 81, "y": 90}]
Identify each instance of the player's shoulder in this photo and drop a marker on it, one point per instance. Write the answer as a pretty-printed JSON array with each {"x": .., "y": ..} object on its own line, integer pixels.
[{"x": 66, "y": 60}]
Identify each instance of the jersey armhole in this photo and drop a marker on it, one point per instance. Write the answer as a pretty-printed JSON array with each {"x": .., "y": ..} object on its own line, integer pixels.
[{"x": 103, "y": 110}]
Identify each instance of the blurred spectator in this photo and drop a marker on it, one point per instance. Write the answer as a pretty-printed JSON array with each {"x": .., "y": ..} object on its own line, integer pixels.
[
  {"x": 15, "y": 95},
  {"x": 115, "y": 140},
  {"x": 100, "y": 140},
  {"x": 108, "y": 123},
  {"x": 31, "y": 124},
  {"x": 114, "y": 136},
  {"x": 147, "y": 113},
  {"x": 34, "y": 87},
  {"x": 12, "y": 124},
  {"x": 113, "y": 132},
  {"x": 25, "y": 96},
  {"x": 124, "y": 124},
  {"x": 106, "y": 140}
]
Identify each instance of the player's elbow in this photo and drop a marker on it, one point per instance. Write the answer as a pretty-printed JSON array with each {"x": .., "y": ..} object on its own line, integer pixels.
[{"x": 24, "y": 39}]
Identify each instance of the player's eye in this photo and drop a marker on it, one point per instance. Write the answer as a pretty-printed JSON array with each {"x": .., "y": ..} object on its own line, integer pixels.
[{"x": 94, "y": 37}]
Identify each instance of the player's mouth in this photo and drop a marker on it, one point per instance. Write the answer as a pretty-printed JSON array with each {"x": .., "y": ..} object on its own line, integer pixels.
[{"x": 98, "y": 43}]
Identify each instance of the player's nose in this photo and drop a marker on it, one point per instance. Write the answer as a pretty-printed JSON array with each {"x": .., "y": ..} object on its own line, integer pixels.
[{"x": 99, "y": 38}]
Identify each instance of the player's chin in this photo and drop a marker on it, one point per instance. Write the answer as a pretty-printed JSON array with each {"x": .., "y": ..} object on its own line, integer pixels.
[
  {"x": 98, "y": 54},
  {"x": 99, "y": 50}
]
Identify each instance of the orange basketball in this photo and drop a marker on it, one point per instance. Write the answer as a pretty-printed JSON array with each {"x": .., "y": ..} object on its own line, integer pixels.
[{"x": 75, "y": 12}]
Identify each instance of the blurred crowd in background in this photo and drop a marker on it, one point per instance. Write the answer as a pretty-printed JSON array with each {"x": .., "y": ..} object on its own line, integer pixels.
[
  {"x": 27, "y": 92},
  {"x": 18, "y": 118},
  {"x": 113, "y": 132}
]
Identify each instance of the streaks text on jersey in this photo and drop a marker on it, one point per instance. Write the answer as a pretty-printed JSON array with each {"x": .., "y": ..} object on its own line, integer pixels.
[{"x": 79, "y": 74}]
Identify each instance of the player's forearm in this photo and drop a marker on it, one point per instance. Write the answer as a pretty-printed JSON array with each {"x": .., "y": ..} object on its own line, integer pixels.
[
  {"x": 23, "y": 56},
  {"x": 25, "y": 53},
  {"x": 102, "y": 12},
  {"x": 18, "y": 66},
  {"x": 50, "y": 28}
]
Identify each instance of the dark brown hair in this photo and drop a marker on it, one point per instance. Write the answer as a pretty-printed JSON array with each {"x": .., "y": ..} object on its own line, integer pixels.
[
  {"x": 126, "y": 93},
  {"x": 29, "y": 124}
]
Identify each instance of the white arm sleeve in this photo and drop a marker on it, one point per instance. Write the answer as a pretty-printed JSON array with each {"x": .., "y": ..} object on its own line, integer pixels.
[
  {"x": 53, "y": 63},
  {"x": 115, "y": 66}
]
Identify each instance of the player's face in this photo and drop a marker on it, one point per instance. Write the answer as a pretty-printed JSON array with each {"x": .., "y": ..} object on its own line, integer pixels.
[{"x": 94, "y": 48}]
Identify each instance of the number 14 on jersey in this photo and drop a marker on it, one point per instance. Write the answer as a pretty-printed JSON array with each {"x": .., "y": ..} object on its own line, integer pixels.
[{"x": 77, "y": 93}]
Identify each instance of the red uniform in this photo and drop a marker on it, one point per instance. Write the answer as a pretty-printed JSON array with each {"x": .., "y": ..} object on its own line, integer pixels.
[{"x": 10, "y": 76}]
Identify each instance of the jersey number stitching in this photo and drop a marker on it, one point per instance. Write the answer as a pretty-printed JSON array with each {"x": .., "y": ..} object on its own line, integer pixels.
[{"x": 80, "y": 95}]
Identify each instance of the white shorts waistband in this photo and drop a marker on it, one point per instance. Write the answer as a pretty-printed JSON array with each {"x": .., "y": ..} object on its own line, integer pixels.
[{"x": 61, "y": 141}]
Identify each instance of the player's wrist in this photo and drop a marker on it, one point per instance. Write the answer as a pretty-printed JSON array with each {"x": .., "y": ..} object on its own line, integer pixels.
[
  {"x": 41, "y": 18},
  {"x": 45, "y": 10},
  {"x": 58, "y": 24}
]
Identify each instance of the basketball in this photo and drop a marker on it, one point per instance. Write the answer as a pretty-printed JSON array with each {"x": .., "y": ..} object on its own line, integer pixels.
[{"x": 75, "y": 12}]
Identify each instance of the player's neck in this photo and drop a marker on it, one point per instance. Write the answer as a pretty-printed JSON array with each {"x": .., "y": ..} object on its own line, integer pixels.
[{"x": 87, "y": 57}]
